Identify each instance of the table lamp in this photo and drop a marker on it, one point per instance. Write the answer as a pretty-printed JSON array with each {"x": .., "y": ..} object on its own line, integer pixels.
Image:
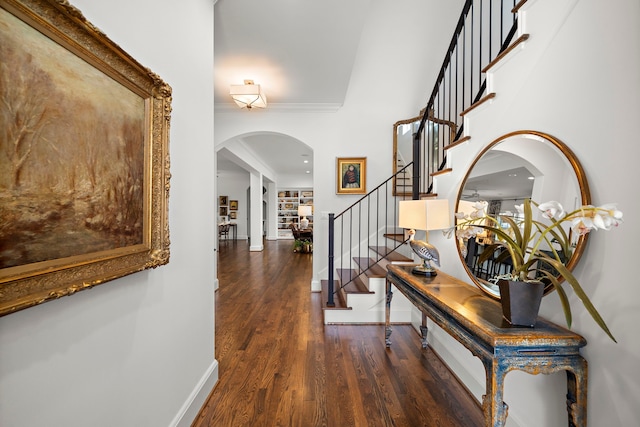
[
  {"x": 303, "y": 211},
  {"x": 426, "y": 214}
]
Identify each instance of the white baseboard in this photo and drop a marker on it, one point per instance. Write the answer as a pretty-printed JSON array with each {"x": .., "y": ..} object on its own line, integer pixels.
[{"x": 191, "y": 407}]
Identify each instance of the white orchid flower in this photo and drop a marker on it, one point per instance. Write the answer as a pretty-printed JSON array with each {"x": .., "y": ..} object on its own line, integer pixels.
[
  {"x": 448, "y": 232},
  {"x": 480, "y": 205},
  {"x": 608, "y": 216},
  {"x": 476, "y": 214},
  {"x": 582, "y": 225},
  {"x": 552, "y": 209},
  {"x": 468, "y": 233}
]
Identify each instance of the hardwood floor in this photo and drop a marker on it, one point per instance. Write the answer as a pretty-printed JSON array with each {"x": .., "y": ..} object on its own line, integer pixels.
[{"x": 280, "y": 366}]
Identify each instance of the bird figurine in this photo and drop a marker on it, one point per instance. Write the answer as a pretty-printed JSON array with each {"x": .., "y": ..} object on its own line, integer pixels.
[{"x": 427, "y": 252}]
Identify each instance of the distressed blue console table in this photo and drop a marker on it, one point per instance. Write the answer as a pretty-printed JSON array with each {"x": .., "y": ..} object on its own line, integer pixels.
[{"x": 475, "y": 320}]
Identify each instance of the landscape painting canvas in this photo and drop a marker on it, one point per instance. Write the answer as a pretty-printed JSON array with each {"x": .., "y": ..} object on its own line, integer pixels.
[{"x": 71, "y": 161}]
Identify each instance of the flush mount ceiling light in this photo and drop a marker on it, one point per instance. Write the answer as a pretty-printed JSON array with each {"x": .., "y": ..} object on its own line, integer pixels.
[{"x": 248, "y": 95}]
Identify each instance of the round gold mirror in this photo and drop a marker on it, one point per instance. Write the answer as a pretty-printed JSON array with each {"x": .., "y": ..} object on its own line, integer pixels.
[{"x": 517, "y": 166}]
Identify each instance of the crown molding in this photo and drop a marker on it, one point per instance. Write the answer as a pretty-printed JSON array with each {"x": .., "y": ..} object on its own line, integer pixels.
[{"x": 282, "y": 107}]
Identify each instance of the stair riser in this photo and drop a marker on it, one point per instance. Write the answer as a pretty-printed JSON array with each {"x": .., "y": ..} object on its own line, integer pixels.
[
  {"x": 375, "y": 317},
  {"x": 370, "y": 308}
]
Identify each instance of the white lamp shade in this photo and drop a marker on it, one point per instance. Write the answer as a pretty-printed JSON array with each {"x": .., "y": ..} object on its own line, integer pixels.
[
  {"x": 248, "y": 95},
  {"x": 304, "y": 210},
  {"x": 426, "y": 214}
]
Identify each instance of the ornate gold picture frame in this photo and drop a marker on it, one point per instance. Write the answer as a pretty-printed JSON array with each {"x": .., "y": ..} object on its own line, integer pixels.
[
  {"x": 84, "y": 156},
  {"x": 351, "y": 175}
]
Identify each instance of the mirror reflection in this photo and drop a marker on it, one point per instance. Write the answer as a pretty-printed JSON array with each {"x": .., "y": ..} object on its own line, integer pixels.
[
  {"x": 438, "y": 132},
  {"x": 403, "y": 154},
  {"x": 517, "y": 166}
]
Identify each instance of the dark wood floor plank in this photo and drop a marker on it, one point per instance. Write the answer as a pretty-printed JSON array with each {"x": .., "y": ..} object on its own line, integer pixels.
[{"x": 280, "y": 366}]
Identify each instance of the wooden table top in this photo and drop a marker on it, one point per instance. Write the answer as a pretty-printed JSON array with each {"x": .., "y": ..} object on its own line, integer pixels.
[{"x": 478, "y": 313}]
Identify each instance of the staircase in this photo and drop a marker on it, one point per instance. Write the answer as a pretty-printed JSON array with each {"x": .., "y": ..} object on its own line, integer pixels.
[
  {"x": 362, "y": 299},
  {"x": 359, "y": 287}
]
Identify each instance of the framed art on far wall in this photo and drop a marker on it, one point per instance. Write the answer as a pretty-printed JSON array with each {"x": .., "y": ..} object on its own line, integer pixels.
[
  {"x": 233, "y": 215},
  {"x": 223, "y": 200},
  {"x": 351, "y": 175},
  {"x": 84, "y": 157},
  {"x": 233, "y": 205}
]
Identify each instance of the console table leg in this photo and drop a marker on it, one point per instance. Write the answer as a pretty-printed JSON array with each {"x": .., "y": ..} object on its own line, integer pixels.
[
  {"x": 494, "y": 408},
  {"x": 424, "y": 330},
  {"x": 577, "y": 393},
  {"x": 387, "y": 316},
  {"x": 387, "y": 336}
]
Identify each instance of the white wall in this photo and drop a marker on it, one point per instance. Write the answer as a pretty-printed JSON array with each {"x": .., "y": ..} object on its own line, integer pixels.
[
  {"x": 134, "y": 351},
  {"x": 580, "y": 84},
  {"x": 295, "y": 181},
  {"x": 234, "y": 185}
]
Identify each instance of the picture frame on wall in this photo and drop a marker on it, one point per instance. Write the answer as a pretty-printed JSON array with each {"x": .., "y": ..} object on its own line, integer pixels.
[
  {"x": 351, "y": 175},
  {"x": 85, "y": 153},
  {"x": 223, "y": 211},
  {"x": 233, "y": 205},
  {"x": 233, "y": 215},
  {"x": 223, "y": 200}
]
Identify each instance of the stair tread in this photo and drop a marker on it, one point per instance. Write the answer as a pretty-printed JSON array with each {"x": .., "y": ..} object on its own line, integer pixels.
[
  {"x": 373, "y": 269},
  {"x": 389, "y": 254},
  {"x": 398, "y": 237},
  {"x": 337, "y": 299},
  {"x": 355, "y": 286}
]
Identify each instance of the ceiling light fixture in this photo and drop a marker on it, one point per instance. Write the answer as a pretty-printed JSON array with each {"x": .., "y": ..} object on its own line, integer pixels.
[{"x": 248, "y": 95}]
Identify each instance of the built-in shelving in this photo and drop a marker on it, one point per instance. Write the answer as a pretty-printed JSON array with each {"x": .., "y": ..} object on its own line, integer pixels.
[{"x": 288, "y": 201}]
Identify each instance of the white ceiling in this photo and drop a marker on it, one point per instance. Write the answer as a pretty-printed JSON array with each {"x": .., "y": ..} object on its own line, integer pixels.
[
  {"x": 282, "y": 154},
  {"x": 301, "y": 52}
]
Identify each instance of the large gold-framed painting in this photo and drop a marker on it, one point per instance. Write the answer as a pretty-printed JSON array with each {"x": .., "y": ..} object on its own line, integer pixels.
[{"x": 84, "y": 158}]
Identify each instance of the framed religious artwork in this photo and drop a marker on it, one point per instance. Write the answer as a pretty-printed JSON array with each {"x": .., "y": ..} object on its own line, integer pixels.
[
  {"x": 84, "y": 157},
  {"x": 351, "y": 175},
  {"x": 233, "y": 205},
  {"x": 233, "y": 215},
  {"x": 223, "y": 200}
]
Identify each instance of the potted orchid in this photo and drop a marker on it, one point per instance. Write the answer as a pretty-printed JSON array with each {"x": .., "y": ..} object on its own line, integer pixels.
[{"x": 536, "y": 249}]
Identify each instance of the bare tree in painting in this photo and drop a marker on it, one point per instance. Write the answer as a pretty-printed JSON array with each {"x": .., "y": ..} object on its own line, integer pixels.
[
  {"x": 120, "y": 210},
  {"x": 25, "y": 111}
]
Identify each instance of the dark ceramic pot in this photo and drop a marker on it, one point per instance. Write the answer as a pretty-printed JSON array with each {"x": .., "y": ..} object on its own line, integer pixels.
[{"x": 520, "y": 301}]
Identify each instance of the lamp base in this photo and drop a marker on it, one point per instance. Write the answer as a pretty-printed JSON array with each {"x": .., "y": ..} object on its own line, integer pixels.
[{"x": 421, "y": 270}]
